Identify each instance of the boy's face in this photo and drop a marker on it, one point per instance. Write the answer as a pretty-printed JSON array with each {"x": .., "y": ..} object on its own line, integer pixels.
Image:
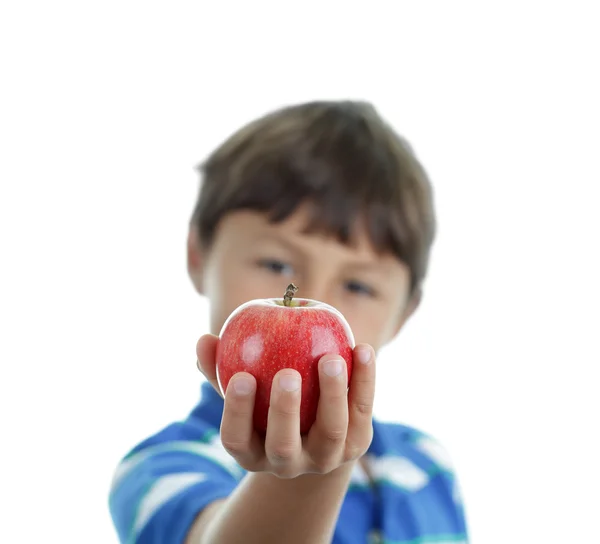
[{"x": 251, "y": 258}]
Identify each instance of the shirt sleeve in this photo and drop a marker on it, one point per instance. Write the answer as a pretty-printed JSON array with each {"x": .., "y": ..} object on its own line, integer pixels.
[{"x": 164, "y": 483}]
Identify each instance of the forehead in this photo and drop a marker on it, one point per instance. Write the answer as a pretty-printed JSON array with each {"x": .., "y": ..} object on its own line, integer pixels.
[{"x": 246, "y": 227}]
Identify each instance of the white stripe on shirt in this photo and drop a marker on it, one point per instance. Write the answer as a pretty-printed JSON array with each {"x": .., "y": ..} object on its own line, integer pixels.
[
  {"x": 164, "y": 489},
  {"x": 213, "y": 450}
]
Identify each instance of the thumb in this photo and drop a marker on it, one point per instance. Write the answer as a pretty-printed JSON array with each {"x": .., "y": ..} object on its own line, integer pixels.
[{"x": 206, "y": 352}]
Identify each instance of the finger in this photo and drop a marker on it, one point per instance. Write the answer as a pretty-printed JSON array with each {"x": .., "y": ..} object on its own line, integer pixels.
[
  {"x": 327, "y": 436},
  {"x": 361, "y": 396},
  {"x": 283, "y": 444},
  {"x": 237, "y": 427},
  {"x": 206, "y": 350}
]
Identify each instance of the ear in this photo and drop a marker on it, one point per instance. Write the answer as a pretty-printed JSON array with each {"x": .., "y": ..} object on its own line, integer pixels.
[
  {"x": 409, "y": 310},
  {"x": 195, "y": 259}
]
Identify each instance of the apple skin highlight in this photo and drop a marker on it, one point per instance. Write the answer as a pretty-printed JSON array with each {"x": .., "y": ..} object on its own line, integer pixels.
[{"x": 264, "y": 336}]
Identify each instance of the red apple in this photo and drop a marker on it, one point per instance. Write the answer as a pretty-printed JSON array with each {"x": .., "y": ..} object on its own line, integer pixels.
[{"x": 264, "y": 336}]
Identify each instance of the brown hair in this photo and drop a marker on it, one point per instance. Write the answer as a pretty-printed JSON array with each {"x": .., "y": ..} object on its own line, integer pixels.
[{"x": 342, "y": 158}]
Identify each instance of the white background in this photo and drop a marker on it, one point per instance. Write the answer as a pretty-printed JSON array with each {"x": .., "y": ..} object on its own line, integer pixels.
[{"x": 107, "y": 107}]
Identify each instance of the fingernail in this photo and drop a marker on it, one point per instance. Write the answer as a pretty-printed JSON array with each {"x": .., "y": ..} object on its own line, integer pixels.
[
  {"x": 363, "y": 355},
  {"x": 333, "y": 367},
  {"x": 289, "y": 382},
  {"x": 243, "y": 386}
]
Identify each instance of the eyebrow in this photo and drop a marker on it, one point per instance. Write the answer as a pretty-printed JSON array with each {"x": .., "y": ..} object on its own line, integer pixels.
[
  {"x": 292, "y": 246},
  {"x": 281, "y": 240}
]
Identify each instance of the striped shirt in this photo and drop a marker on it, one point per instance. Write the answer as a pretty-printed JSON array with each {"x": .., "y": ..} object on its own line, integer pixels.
[{"x": 165, "y": 481}]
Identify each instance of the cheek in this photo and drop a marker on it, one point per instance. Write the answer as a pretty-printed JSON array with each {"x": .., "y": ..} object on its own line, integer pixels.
[
  {"x": 232, "y": 283},
  {"x": 373, "y": 324},
  {"x": 366, "y": 327},
  {"x": 223, "y": 292}
]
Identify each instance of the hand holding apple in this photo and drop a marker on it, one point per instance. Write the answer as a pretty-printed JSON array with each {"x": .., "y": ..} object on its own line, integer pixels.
[
  {"x": 264, "y": 336},
  {"x": 340, "y": 434}
]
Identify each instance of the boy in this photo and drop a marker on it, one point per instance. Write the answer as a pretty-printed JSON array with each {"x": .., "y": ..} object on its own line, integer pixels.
[{"x": 327, "y": 196}]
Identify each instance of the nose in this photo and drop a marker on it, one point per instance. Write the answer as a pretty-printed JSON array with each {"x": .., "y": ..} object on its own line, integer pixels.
[{"x": 316, "y": 289}]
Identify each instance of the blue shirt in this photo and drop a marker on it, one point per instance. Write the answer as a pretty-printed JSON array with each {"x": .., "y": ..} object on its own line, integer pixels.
[{"x": 165, "y": 481}]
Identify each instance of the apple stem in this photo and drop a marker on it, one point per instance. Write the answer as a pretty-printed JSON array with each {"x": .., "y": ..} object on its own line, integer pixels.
[{"x": 289, "y": 294}]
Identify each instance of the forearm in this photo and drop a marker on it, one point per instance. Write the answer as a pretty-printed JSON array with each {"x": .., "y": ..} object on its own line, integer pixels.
[{"x": 266, "y": 509}]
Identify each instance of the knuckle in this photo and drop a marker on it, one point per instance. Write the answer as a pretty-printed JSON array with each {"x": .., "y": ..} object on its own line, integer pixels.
[
  {"x": 237, "y": 412},
  {"x": 325, "y": 466},
  {"x": 336, "y": 397},
  {"x": 249, "y": 466},
  {"x": 362, "y": 386},
  {"x": 334, "y": 391},
  {"x": 237, "y": 407},
  {"x": 236, "y": 448},
  {"x": 335, "y": 437},
  {"x": 285, "y": 410},
  {"x": 363, "y": 406},
  {"x": 355, "y": 450},
  {"x": 282, "y": 454}
]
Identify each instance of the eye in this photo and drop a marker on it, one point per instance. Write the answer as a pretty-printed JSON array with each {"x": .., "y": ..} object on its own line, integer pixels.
[
  {"x": 276, "y": 266},
  {"x": 359, "y": 288}
]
